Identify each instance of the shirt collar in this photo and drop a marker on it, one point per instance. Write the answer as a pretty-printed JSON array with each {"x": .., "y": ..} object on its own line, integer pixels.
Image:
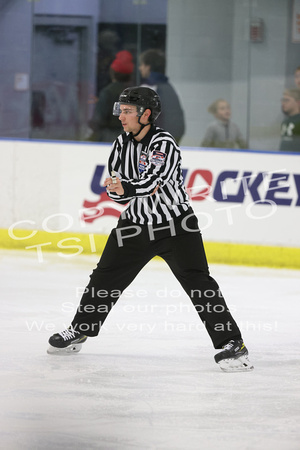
[{"x": 146, "y": 139}]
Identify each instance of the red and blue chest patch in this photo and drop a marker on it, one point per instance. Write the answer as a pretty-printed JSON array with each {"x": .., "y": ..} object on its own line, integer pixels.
[{"x": 142, "y": 162}]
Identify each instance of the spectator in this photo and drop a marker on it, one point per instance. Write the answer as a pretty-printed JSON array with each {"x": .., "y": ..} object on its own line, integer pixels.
[
  {"x": 105, "y": 126},
  {"x": 152, "y": 69},
  {"x": 290, "y": 127},
  {"x": 222, "y": 132},
  {"x": 297, "y": 77}
]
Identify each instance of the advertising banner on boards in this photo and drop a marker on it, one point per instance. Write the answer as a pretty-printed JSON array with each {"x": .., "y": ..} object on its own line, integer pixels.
[{"x": 238, "y": 196}]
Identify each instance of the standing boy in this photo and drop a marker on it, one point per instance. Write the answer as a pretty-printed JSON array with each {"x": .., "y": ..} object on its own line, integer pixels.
[
  {"x": 222, "y": 132},
  {"x": 157, "y": 221}
]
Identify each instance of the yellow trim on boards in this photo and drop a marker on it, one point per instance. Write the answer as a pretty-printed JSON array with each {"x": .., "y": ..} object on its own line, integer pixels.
[
  {"x": 253, "y": 255},
  {"x": 217, "y": 252}
]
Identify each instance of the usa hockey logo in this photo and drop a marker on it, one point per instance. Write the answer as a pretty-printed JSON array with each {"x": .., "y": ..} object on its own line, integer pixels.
[{"x": 232, "y": 186}]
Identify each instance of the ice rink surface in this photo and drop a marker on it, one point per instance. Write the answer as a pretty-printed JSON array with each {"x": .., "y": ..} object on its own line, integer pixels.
[{"x": 149, "y": 380}]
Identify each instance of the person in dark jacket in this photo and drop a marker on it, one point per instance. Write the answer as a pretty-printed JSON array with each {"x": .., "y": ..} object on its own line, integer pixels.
[
  {"x": 105, "y": 126},
  {"x": 152, "y": 69}
]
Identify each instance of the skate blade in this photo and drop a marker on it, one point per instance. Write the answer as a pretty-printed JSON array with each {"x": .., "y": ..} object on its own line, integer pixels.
[
  {"x": 241, "y": 364},
  {"x": 75, "y": 348}
]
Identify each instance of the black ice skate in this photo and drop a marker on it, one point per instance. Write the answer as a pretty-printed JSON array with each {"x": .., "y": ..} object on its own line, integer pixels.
[
  {"x": 234, "y": 357},
  {"x": 65, "y": 342}
]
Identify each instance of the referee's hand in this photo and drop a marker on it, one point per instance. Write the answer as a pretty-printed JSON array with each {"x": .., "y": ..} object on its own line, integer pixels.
[{"x": 114, "y": 187}]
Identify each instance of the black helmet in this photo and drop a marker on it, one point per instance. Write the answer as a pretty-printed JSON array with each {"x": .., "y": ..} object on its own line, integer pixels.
[{"x": 141, "y": 97}]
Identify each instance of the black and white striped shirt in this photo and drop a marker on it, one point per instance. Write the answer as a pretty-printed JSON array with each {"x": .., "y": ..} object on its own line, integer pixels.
[{"x": 141, "y": 166}]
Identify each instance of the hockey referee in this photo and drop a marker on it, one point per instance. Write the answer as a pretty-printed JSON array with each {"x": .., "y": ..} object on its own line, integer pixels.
[{"x": 146, "y": 174}]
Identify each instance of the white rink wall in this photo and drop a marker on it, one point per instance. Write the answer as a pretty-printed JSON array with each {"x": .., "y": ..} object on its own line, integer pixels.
[{"x": 241, "y": 197}]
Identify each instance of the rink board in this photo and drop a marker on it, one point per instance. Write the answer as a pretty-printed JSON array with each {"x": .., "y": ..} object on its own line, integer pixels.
[{"x": 245, "y": 201}]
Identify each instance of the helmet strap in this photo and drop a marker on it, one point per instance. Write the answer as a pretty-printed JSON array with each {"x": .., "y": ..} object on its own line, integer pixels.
[{"x": 142, "y": 127}]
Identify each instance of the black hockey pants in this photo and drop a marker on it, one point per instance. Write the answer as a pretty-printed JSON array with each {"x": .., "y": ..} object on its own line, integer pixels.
[{"x": 129, "y": 248}]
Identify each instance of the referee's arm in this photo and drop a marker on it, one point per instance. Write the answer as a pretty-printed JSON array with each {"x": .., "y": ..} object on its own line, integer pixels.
[{"x": 163, "y": 161}]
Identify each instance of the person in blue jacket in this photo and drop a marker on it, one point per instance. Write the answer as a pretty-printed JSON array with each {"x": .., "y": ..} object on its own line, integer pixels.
[{"x": 152, "y": 69}]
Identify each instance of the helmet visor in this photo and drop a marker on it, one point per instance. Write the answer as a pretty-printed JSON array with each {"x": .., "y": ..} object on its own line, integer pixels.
[{"x": 117, "y": 109}]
